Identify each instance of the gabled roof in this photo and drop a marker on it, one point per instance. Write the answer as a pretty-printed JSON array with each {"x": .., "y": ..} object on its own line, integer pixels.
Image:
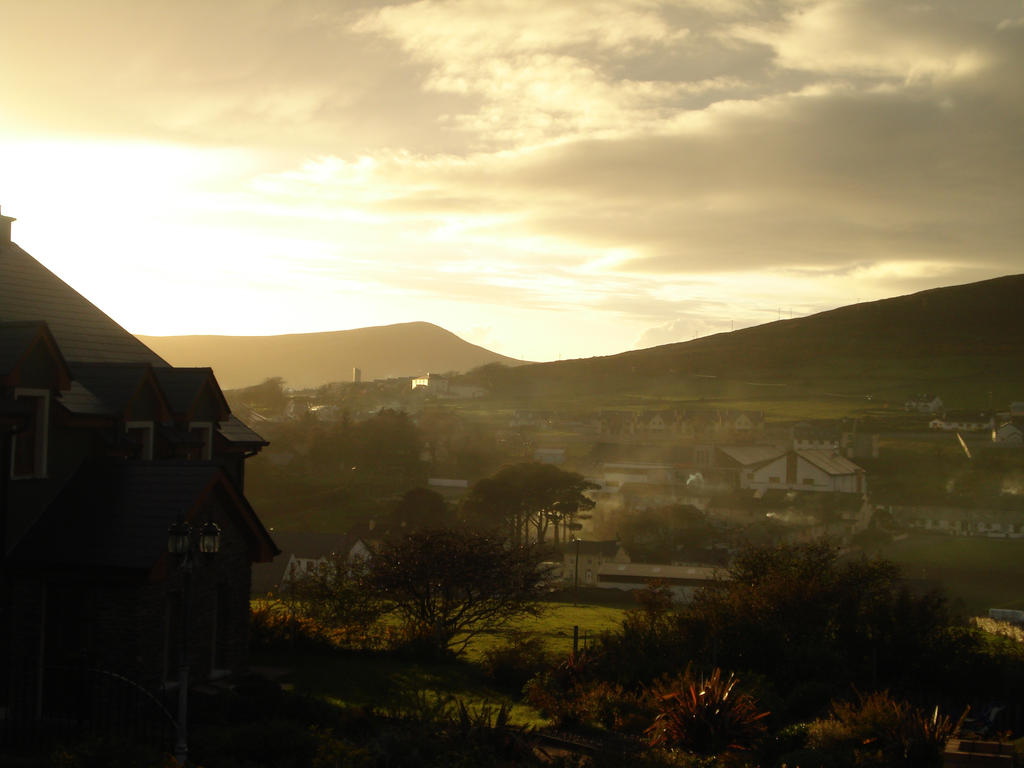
[
  {"x": 17, "y": 339},
  {"x": 31, "y": 292},
  {"x": 184, "y": 387},
  {"x": 749, "y": 455},
  {"x": 115, "y": 514},
  {"x": 14, "y": 340},
  {"x": 81, "y": 401},
  {"x": 680, "y": 574},
  {"x": 830, "y": 462},
  {"x": 116, "y": 385}
]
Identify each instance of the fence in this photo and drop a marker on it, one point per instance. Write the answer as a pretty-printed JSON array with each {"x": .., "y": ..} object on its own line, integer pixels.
[{"x": 68, "y": 703}]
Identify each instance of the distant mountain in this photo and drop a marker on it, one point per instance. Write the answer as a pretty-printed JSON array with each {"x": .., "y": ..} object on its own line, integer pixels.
[
  {"x": 311, "y": 359},
  {"x": 969, "y": 333}
]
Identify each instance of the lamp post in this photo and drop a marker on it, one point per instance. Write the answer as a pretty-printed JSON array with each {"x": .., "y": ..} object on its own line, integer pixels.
[{"x": 182, "y": 546}]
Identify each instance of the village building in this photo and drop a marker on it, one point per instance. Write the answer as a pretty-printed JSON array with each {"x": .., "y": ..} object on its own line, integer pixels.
[
  {"x": 682, "y": 581},
  {"x": 815, "y": 436},
  {"x": 432, "y": 383},
  {"x": 582, "y": 560},
  {"x": 817, "y": 471},
  {"x": 103, "y": 447},
  {"x": 962, "y": 421},
  {"x": 1008, "y": 435},
  {"x": 962, "y": 521}
]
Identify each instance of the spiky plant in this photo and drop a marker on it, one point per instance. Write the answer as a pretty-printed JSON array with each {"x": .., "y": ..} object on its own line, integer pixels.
[
  {"x": 923, "y": 737},
  {"x": 708, "y": 716}
]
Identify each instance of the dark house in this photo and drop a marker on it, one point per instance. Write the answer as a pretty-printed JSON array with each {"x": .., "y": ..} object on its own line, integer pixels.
[{"x": 103, "y": 446}]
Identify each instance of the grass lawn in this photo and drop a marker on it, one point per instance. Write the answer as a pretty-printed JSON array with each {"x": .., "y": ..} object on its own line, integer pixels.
[
  {"x": 388, "y": 683},
  {"x": 555, "y": 625},
  {"x": 983, "y": 573}
]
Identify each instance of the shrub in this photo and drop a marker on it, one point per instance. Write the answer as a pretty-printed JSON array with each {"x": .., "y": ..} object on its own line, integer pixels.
[
  {"x": 708, "y": 716},
  {"x": 616, "y": 708},
  {"x": 274, "y": 628},
  {"x": 878, "y": 730},
  {"x": 512, "y": 664}
]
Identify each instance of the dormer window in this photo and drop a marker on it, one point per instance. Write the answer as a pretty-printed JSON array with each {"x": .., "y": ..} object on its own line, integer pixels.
[
  {"x": 202, "y": 433},
  {"x": 28, "y": 446},
  {"x": 141, "y": 433}
]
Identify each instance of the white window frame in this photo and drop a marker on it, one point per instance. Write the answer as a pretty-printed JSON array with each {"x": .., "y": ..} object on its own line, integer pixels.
[
  {"x": 42, "y": 428},
  {"x": 147, "y": 444}
]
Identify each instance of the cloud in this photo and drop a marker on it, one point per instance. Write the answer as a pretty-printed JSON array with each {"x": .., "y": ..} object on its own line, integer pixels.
[
  {"x": 874, "y": 38},
  {"x": 636, "y": 159}
]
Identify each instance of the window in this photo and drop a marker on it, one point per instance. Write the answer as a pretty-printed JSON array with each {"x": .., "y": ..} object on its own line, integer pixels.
[
  {"x": 808, "y": 481},
  {"x": 141, "y": 433},
  {"x": 202, "y": 431},
  {"x": 773, "y": 480},
  {"x": 28, "y": 446}
]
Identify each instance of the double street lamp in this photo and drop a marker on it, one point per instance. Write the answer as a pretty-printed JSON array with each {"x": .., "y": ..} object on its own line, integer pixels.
[{"x": 183, "y": 546}]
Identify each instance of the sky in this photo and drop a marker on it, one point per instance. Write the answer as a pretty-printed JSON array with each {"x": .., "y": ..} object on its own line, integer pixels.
[{"x": 549, "y": 179}]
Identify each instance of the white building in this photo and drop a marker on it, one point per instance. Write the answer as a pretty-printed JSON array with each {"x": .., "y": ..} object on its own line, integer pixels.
[
  {"x": 806, "y": 471},
  {"x": 682, "y": 580}
]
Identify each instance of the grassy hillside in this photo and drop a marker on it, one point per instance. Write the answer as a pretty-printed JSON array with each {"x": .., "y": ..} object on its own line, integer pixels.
[
  {"x": 962, "y": 342},
  {"x": 312, "y": 359}
]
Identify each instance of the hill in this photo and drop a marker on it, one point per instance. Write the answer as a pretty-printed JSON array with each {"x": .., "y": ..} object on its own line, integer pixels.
[
  {"x": 963, "y": 342},
  {"x": 312, "y": 359}
]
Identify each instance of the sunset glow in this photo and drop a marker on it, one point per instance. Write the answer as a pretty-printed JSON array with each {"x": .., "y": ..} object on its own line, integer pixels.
[{"x": 545, "y": 179}]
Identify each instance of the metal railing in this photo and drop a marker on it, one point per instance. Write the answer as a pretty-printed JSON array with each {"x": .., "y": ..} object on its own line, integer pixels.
[{"x": 70, "y": 703}]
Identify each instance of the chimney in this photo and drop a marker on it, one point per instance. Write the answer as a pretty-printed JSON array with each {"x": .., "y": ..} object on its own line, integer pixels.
[{"x": 5, "y": 228}]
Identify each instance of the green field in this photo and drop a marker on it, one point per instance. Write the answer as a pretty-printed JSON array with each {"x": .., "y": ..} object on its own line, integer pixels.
[
  {"x": 555, "y": 627},
  {"x": 387, "y": 683},
  {"x": 977, "y": 573}
]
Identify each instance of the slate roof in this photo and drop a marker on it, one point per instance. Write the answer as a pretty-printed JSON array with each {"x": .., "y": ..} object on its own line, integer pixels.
[
  {"x": 81, "y": 401},
  {"x": 234, "y": 431},
  {"x": 747, "y": 455},
  {"x": 830, "y": 462},
  {"x": 114, "y": 385},
  {"x": 14, "y": 340},
  {"x": 181, "y": 387},
  {"x": 31, "y": 292},
  {"x": 684, "y": 574},
  {"x": 115, "y": 515},
  {"x": 18, "y": 338}
]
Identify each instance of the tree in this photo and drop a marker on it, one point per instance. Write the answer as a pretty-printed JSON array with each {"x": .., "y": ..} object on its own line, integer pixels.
[
  {"x": 423, "y": 508},
  {"x": 449, "y": 586},
  {"x": 333, "y": 593},
  {"x": 797, "y": 615},
  {"x": 528, "y": 499}
]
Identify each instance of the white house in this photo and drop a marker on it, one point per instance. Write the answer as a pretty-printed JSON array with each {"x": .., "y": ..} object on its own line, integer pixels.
[
  {"x": 582, "y": 560},
  {"x": 1008, "y": 435},
  {"x": 957, "y": 521},
  {"x": 962, "y": 421},
  {"x": 432, "y": 382},
  {"x": 815, "y": 437},
  {"x": 806, "y": 471}
]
